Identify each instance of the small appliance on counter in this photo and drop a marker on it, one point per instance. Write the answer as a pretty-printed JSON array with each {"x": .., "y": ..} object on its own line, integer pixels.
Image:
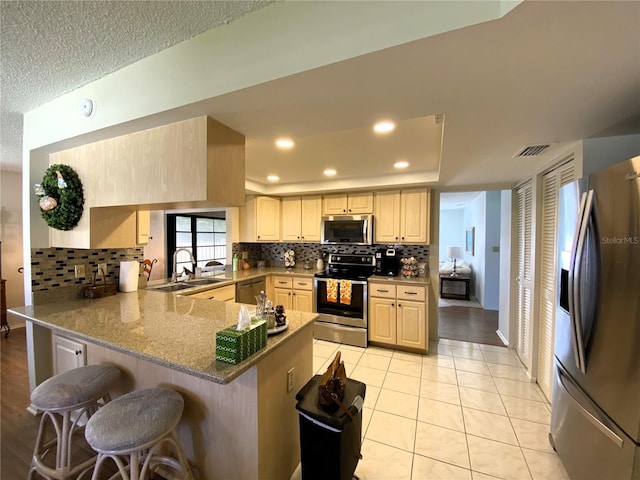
[{"x": 387, "y": 262}]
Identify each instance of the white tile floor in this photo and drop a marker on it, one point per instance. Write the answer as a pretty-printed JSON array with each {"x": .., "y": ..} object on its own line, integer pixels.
[{"x": 465, "y": 411}]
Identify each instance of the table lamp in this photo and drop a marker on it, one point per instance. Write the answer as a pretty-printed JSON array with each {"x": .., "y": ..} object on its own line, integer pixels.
[{"x": 454, "y": 252}]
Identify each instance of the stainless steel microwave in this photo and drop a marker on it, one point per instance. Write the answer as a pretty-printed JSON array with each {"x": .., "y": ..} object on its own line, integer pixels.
[{"x": 349, "y": 229}]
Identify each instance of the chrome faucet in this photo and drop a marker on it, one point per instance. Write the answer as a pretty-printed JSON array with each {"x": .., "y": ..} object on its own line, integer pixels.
[{"x": 174, "y": 277}]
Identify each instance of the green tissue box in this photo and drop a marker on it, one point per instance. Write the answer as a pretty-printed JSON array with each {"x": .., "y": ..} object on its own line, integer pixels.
[{"x": 233, "y": 346}]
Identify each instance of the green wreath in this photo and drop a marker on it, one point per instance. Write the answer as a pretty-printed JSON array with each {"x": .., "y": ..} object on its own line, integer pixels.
[{"x": 66, "y": 189}]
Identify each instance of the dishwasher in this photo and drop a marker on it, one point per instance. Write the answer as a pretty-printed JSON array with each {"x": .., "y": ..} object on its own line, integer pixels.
[{"x": 247, "y": 290}]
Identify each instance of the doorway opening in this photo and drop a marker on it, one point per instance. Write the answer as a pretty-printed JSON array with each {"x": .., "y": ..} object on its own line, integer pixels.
[{"x": 474, "y": 228}]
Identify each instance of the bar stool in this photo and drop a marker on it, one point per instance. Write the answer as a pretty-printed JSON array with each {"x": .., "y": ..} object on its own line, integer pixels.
[
  {"x": 137, "y": 425},
  {"x": 65, "y": 399}
]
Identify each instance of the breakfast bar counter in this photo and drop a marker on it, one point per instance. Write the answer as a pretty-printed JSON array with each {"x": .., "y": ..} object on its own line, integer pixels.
[{"x": 239, "y": 420}]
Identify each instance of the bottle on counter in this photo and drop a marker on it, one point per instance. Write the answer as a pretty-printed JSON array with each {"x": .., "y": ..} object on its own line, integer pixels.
[{"x": 234, "y": 262}]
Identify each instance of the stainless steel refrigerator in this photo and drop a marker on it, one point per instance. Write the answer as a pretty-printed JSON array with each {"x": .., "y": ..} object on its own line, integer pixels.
[{"x": 595, "y": 419}]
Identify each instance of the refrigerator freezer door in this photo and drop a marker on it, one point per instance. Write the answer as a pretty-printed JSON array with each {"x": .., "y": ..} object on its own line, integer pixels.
[
  {"x": 610, "y": 373},
  {"x": 590, "y": 445}
]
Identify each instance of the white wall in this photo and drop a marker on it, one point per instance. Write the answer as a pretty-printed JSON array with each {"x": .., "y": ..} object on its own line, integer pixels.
[
  {"x": 475, "y": 216},
  {"x": 483, "y": 213},
  {"x": 505, "y": 265},
  {"x": 157, "y": 246},
  {"x": 451, "y": 231},
  {"x": 599, "y": 153},
  {"x": 492, "y": 252},
  {"x": 11, "y": 236}
]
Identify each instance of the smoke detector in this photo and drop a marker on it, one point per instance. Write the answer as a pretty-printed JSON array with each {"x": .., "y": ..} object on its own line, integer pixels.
[{"x": 87, "y": 107}]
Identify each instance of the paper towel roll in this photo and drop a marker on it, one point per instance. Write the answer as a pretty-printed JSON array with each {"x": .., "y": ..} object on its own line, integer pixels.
[{"x": 129, "y": 272}]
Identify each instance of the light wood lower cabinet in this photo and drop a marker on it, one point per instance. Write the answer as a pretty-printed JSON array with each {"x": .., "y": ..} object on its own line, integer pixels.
[
  {"x": 293, "y": 293},
  {"x": 67, "y": 354},
  {"x": 398, "y": 315},
  {"x": 223, "y": 294}
]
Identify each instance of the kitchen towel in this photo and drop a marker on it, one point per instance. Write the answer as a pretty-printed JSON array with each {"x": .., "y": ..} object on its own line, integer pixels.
[
  {"x": 129, "y": 272},
  {"x": 345, "y": 292},
  {"x": 332, "y": 290}
]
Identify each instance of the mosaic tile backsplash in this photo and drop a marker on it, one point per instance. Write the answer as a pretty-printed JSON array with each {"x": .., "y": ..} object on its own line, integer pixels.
[
  {"x": 273, "y": 253},
  {"x": 54, "y": 268}
]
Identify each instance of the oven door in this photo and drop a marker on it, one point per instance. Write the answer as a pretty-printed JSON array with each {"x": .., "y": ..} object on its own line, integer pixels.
[{"x": 353, "y": 313}]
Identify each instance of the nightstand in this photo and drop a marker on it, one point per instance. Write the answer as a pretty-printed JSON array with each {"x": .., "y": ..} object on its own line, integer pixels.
[{"x": 454, "y": 286}]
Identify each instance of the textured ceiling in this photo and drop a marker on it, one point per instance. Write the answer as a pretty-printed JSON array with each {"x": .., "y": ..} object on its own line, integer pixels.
[
  {"x": 48, "y": 48},
  {"x": 547, "y": 72}
]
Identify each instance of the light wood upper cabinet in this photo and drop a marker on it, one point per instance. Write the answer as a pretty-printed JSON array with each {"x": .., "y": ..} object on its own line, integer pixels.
[
  {"x": 143, "y": 226},
  {"x": 402, "y": 216},
  {"x": 386, "y": 225},
  {"x": 414, "y": 216},
  {"x": 189, "y": 164},
  {"x": 348, "y": 204},
  {"x": 260, "y": 220},
  {"x": 310, "y": 224},
  {"x": 301, "y": 217}
]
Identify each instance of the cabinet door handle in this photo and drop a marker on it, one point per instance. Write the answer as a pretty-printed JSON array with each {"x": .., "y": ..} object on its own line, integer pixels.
[
  {"x": 399, "y": 305},
  {"x": 211, "y": 298},
  {"x": 283, "y": 283},
  {"x": 411, "y": 293},
  {"x": 302, "y": 284},
  {"x": 383, "y": 291},
  {"x": 78, "y": 352}
]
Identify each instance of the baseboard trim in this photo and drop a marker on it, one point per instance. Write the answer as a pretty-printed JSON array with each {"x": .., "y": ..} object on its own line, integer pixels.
[{"x": 502, "y": 339}]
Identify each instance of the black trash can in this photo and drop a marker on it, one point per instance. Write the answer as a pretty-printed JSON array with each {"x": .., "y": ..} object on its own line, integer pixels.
[{"x": 330, "y": 441}]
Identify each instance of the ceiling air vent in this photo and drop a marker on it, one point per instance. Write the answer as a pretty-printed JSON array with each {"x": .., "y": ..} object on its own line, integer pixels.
[{"x": 531, "y": 150}]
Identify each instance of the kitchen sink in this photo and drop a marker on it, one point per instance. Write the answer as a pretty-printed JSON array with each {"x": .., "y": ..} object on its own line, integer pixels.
[
  {"x": 205, "y": 281},
  {"x": 175, "y": 286},
  {"x": 171, "y": 287}
]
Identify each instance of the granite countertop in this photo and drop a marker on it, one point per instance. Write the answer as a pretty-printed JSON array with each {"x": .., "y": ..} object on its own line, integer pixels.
[
  {"x": 401, "y": 279},
  {"x": 175, "y": 331}
]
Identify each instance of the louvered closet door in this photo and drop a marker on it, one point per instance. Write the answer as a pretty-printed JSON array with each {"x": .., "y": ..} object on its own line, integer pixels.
[
  {"x": 524, "y": 196},
  {"x": 551, "y": 183}
]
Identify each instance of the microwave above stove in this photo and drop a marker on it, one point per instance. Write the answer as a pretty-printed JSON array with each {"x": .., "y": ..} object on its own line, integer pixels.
[{"x": 347, "y": 229}]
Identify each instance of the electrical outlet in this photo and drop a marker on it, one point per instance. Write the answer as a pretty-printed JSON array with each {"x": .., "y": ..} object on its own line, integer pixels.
[
  {"x": 290, "y": 379},
  {"x": 80, "y": 270},
  {"x": 102, "y": 266},
  {"x": 245, "y": 255}
]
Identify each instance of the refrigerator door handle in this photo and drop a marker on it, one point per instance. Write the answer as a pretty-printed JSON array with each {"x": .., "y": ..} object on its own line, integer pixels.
[
  {"x": 577, "y": 251},
  {"x": 597, "y": 422}
]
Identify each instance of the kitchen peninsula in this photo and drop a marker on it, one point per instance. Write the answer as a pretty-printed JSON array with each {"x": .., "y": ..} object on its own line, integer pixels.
[{"x": 239, "y": 420}]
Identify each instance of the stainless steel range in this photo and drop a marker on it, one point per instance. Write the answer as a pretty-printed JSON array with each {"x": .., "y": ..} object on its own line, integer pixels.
[{"x": 340, "y": 297}]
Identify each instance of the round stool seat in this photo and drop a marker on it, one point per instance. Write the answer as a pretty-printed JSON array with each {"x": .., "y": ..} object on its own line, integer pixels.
[
  {"x": 74, "y": 387},
  {"x": 134, "y": 420}
]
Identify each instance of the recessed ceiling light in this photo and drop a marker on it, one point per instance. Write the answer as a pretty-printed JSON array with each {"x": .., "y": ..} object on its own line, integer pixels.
[
  {"x": 384, "y": 127},
  {"x": 273, "y": 178},
  {"x": 284, "y": 143},
  {"x": 401, "y": 164},
  {"x": 330, "y": 172}
]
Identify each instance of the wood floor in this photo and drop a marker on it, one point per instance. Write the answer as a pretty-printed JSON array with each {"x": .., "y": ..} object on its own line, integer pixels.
[
  {"x": 18, "y": 428},
  {"x": 469, "y": 324}
]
